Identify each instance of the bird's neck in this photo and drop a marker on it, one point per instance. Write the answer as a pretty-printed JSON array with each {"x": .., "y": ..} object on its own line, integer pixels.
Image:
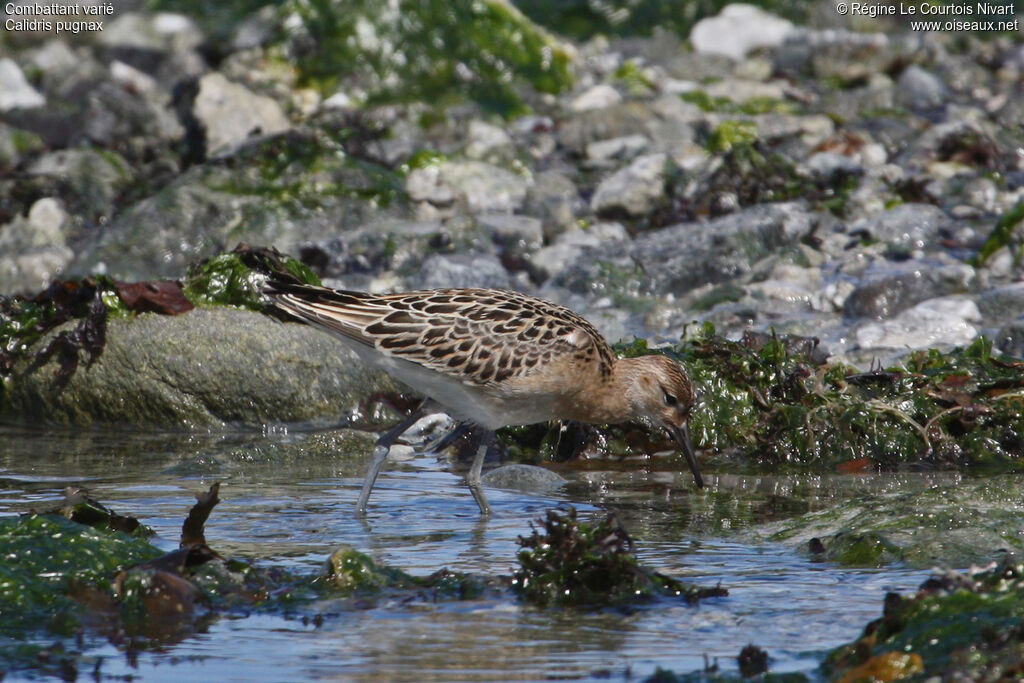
[{"x": 613, "y": 399}]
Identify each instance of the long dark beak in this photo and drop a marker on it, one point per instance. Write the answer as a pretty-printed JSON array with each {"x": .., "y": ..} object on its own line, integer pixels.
[{"x": 682, "y": 435}]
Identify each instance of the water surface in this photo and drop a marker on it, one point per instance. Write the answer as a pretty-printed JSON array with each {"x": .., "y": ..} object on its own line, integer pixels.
[{"x": 288, "y": 500}]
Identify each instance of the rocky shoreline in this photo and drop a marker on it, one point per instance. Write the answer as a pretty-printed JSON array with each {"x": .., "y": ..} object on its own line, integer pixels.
[{"x": 814, "y": 180}]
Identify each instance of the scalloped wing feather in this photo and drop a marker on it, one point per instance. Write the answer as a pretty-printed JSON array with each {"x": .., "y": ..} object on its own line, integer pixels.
[{"x": 480, "y": 336}]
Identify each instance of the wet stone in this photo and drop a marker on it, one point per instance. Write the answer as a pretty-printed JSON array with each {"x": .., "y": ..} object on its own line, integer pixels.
[
  {"x": 1002, "y": 303},
  {"x": 1010, "y": 338},
  {"x": 908, "y": 227},
  {"x": 571, "y": 246},
  {"x": 461, "y": 270},
  {"x": 681, "y": 257},
  {"x": 633, "y": 190},
  {"x": 516, "y": 235},
  {"x": 196, "y": 370},
  {"x": 935, "y": 323},
  {"x": 487, "y": 140},
  {"x": 919, "y": 89},
  {"x": 555, "y": 200},
  {"x": 621, "y": 120},
  {"x": 887, "y": 288},
  {"x": 523, "y": 478},
  {"x": 607, "y": 152},
  {"x": 482, "y": 187},
  {"x": 229, "y": 112},
  {"x": 739, "y": 29}
]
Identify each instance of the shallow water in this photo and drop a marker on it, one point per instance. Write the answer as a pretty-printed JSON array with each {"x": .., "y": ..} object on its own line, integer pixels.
[{"x": 288, "y": 501}]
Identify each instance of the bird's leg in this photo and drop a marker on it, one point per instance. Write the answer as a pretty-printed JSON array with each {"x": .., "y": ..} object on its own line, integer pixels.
[
  {"x": 473, "y": 477},
  {"x": 380, "y": 454},
  {"x": 448, "y": 439}
]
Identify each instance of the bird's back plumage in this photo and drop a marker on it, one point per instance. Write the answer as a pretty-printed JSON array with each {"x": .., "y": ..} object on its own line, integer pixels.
[{"x": 482, "y": 337}]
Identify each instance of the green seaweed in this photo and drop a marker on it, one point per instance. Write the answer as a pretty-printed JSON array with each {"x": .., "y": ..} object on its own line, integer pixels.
[
  {"x": 772, "y": 403},
  {"x": 235, "y": 278},
  {"x": 732, "y": 133},
  {"x": 423, "y": 158},
  {"x": 24, "y": 321},
  {"x": 668, "y": 676},
  {"x": 1001, "y": 236},
  {"x": 44, "y": 555},
  {"x": 573, "y": 563},
  {"x": 868, "y": 549},
  {"x": 46, "y": 559},
  {"x": 351, "y": 571},
  {"x": 637, "y": 82},
  {"x": 779, "y": 405},
  {"x": 300, "y": 170},
  {"x": 433, "y": 51},
  {"x": 62, "y": 583},
  {"x": 916, "y": 521},
  {"x": 751, "y": 107}
]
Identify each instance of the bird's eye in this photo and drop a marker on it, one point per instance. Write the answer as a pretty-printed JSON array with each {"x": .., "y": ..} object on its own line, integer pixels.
[{"x": 670, "y": 400}]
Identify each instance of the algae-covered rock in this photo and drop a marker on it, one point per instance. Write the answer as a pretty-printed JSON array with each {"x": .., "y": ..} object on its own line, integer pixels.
[
  {"x": 959, "y": 627},
  {"x": 354, "y": 572},
  {"x": 948, "y": 523},
  {"x": 47, "y": 559},
  {"x": 285, "y": 189},
  {"x": 207, "y": 367},
  {"x": 432, "y": 51}
]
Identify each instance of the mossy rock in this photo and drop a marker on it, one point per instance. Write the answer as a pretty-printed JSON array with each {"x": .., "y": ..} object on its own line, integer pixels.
[
  {"x": 958, "y": 627},
  {"x": 208, "y": 367},
  {"x": 909, "y": 522}
]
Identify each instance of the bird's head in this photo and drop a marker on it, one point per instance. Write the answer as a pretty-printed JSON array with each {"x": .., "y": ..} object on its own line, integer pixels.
[{"x": 662, "y": 394}]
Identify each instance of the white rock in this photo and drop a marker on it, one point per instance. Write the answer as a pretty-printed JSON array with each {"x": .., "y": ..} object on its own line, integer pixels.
[
  {"x": 873, "y": 155},
  {"x": 616, "y": 148},
  {"x": 31, "y": 271},
  {"x": 569, "y": 246},
  {"x": 54, "y": 55},
  {"x": 338, "y": 100},
  {"x": 739, "y": 29},
  {"x": 597, "y": 97},
  {"x": 634, "y": 189},
  {"x": 15, "y": 90},
  {"x": 425, "y": 185},
  {"x": 486, "y": 139},
  {"x": 169, "y": 23},
  {"x": 48, "y": 218},
  {"x": 943, "y": 321},
  {"x": 230, "y": 112},
  {"x": 483, "y": 187},
  {"x": 128, "y": 75}
]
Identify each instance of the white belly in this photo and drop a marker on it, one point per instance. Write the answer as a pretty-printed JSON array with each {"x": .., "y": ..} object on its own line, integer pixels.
[{"x": 462, "y": 401}]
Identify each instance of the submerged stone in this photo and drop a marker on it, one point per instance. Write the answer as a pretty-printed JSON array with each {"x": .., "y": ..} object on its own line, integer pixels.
[
  {"x": 524, "y": 478},
  {"x": 953, "y": 524}
]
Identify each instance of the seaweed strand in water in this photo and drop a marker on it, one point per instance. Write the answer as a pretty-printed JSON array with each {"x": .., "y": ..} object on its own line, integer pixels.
[{"x": 572, "y": 563}]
